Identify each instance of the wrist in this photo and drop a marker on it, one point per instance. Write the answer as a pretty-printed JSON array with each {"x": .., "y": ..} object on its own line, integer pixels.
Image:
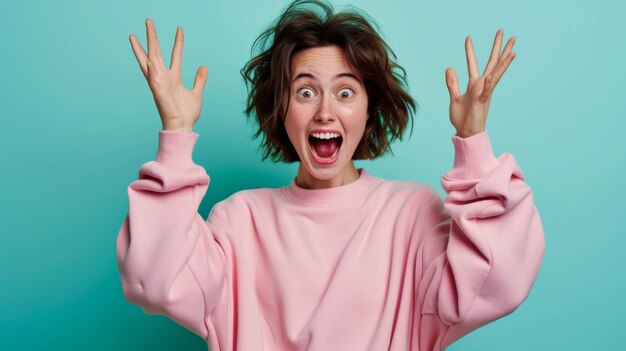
[
  {"x": 177, "y": 124},
  {"x": 179, "y": 130},
  {"x": 176, "y": 149},
  {"x": 473, "y": 157},
  {"x": 183, "y": 129},
  {"x": 466, "y": 134}
]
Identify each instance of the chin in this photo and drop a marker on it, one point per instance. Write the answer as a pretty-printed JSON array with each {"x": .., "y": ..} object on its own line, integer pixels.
[{"x": 328, "y": 173}]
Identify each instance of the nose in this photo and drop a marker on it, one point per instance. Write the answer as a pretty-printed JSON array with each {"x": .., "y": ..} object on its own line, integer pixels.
[{"x": 325, "y": 112}]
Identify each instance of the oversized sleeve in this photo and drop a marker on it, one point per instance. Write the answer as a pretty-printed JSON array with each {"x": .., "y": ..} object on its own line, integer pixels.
[
  {"x": 484, "y": 247},
  {"x": 169, "y": 261}
]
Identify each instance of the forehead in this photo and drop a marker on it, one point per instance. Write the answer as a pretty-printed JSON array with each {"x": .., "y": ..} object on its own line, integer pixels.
[{"x": 321, "y": 60}]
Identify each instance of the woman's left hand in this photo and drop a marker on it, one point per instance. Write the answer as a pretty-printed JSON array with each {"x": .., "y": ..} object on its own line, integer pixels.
[{"x": 468, "y": 112}]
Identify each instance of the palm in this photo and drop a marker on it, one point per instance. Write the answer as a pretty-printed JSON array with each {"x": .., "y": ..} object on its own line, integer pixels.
[
  {"x": 468, "y": 112},
  {"x": 173, "y": 99},
  {"x": 178, "y": 107}
]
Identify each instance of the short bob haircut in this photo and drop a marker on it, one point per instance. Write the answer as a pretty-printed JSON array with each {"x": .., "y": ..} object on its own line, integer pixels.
[{"x": 299, "y": 27}]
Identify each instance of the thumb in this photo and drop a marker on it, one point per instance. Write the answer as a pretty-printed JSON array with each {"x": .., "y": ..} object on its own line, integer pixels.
[
  {"x": 452, "y": 83},
  {"x": 200, "y": 81}
]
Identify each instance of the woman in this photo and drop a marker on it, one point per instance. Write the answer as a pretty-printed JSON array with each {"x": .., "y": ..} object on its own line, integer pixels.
[{"x": 339, "y": 259}]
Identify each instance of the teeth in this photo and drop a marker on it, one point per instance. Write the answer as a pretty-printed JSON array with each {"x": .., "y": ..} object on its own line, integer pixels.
[{"x": 325, "y": 135}]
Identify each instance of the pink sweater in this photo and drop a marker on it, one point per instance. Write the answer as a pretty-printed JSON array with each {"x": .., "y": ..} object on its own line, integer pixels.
[{"x": 372, "y": 265}]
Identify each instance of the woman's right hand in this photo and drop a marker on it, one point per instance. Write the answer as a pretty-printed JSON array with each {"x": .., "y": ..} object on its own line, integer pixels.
[{"x": 178, "y": 107}]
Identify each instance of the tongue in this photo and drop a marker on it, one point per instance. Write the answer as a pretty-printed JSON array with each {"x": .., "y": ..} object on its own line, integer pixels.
[{"x": 326, "y": 147}]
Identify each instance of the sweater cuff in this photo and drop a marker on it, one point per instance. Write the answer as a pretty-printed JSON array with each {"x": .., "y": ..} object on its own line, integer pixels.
[
  {"x": 176, "y": 148},
  {"x": 473, "y": 157}
]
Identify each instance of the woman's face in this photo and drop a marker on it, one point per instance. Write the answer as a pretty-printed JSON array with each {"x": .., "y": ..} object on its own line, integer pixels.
[{"x": 326, "y": 117}]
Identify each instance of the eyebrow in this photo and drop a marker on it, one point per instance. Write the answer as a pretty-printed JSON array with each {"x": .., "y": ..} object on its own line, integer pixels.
[{"x": 340, "y": 75}]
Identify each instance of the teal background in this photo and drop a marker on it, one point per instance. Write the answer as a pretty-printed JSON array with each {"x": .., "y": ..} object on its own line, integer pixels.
[{"x": 78, "y": 120}]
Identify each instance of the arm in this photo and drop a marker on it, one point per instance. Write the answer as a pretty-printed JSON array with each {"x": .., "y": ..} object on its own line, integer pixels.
[
  {"x": 485, "y": 246},
  {"x": 168, "y": 259}
]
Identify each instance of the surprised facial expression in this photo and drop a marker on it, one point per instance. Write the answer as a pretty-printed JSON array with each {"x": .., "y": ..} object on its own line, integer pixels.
[{"x": 327, "y": 114}]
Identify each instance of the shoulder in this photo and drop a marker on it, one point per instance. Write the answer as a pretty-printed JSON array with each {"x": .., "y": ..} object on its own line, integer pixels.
[
  {"x": 240, "y": 209},
  {"x": 404, "y": 198},
  {"x": 408, "y": 189},
  {"x": 254, "y": 197},
  {"x": 406, "y": 201},
  {"x": 247, "y": 200}
]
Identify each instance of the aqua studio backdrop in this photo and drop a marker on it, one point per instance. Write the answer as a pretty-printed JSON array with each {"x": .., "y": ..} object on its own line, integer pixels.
[{"x": 78, "y": 120}]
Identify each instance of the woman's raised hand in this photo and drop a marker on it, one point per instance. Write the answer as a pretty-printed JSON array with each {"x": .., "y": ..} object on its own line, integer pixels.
[
  {"x": 178, "y": 107},
  {"x": 468, "y": 112}
]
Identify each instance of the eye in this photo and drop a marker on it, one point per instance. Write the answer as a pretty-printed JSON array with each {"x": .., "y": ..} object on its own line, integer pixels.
[
  {"x": 306, "y": 92},
  {"x": 345, "y": 93}
]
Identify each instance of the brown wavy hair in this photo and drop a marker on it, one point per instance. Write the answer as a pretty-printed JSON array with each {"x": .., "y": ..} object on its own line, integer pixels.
[{"x": 313, "y": 23}]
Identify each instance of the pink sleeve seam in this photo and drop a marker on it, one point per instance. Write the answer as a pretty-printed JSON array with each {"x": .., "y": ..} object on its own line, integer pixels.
[{"x": 204, "y": 297}]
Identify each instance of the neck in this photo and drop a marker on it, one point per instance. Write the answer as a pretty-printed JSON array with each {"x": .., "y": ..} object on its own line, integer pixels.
[{"x": 305, "y": 180}]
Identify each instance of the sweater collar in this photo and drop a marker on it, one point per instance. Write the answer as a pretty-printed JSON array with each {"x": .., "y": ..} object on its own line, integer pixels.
[{"x": 332, "y": 196}]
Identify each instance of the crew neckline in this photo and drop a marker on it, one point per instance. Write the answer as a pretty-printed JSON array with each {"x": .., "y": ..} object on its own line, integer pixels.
[{"x": 334, "y": 195}]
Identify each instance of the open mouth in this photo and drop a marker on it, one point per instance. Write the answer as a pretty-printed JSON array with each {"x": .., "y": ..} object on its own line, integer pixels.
[{"x": 325, "y": 147}]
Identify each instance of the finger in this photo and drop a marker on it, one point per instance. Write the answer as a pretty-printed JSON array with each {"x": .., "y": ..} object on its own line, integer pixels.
[
  {"x": 507, "y": 49},
  {"x": 151, "y": 73},
  {"x": 140, "y": 54},
  {"x": 200, "y": 81},
  {"x": 177, "y": 52},
  {"x": 472, "y": 66},
  {"x": 495, "y": 52},
  {"x": 452, "y": 83},
  {"x": 487, "y": 89},
  {"x": 501, "y": 68},
  {"x": 154, "y": 50}
]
